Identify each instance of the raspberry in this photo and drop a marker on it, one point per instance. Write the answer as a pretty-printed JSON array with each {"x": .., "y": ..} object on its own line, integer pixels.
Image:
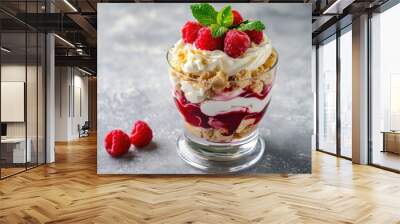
[
  {"x": 255, "y": 36},
  {"x": 190, "y": 30},
  {"x": 205, "y": 41},
  {"x": 237, "y": 18},
  {"x": 141, "y": 134},
  {"x": 117, "y": 143},
  {"x": 236, "y": 43}
]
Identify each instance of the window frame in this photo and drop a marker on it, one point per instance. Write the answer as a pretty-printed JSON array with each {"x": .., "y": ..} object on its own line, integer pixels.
[
  {"x": 334, "y": 37},
  {"x": 371, "y": 13}
]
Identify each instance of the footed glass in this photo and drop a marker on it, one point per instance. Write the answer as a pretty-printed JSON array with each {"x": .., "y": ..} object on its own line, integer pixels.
[{"x": 221, "y": 114}]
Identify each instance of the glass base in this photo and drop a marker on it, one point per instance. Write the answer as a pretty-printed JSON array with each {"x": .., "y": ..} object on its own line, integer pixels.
[{"x": 221, "y": 157}]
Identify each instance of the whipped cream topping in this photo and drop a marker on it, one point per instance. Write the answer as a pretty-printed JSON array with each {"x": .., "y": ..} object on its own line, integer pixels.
[
  {"x": 252, "y": 104},
  {"x": 196, "y": 60}
]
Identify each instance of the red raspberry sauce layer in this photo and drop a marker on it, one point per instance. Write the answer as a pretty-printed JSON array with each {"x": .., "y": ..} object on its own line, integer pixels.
[{"x": 229, "y": 121}]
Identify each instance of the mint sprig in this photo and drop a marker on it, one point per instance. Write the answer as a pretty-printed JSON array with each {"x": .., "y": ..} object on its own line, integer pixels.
[
  {"x": 225, "y": 17},
  {"x": 222, "y": 21},
  {"x": 218, "y": 30},
  {"x": 219, "y": 22},
  {"x": 251, "y": 25},
  {"x": 204, "y": 13}
]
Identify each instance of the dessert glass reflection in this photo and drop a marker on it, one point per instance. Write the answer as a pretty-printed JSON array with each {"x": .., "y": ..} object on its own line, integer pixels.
[{"x": 222, "y": 98}]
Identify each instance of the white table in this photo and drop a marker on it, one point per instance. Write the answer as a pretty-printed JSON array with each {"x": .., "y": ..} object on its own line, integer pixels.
[{"x": 19, "y": 155}]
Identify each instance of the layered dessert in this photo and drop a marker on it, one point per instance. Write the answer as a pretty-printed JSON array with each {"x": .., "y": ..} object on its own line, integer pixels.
[{"x": 222, "y": 70}]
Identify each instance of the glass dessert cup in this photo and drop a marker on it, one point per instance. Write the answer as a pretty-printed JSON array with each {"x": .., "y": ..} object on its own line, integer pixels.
[{"x": 221, "y": 114}]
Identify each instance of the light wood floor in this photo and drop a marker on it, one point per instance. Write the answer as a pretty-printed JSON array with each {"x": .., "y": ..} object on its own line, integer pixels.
[
  {"x": 10, "y": 171},
  {"x": 70, "y": 191},
  {"x": 387, "y": 159}
]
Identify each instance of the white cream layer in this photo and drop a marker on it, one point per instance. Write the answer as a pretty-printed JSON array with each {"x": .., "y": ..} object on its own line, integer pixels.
[
  {"x": 215, "y": 107},
  {"x": 202, "y": 61},
  {"x": 194, "y": 95}
]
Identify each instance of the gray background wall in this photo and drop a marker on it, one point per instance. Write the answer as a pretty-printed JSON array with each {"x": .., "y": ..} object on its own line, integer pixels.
[{"x": 133, "y": 84}]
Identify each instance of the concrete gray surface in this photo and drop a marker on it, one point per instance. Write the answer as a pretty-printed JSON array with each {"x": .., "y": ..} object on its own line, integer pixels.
[{"x": 133, "y": 84}]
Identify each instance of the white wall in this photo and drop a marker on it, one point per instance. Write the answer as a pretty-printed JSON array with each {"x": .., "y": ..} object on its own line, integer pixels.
[
  {"x": 71, "y": 102},
  {"x": 12, "y": 101},
  {"x": 33, "y": 127},
  {"x": 17, "y": 72},
  {"x": 81, "y": 84},
  {"x": 12, "y": 73},
  {"x": 62, "y": 81}
]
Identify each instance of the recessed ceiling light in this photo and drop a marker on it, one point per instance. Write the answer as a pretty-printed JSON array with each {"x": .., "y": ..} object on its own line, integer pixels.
[
  {"x": 5, "y": 50},
  {"x": 65, "y": 41},
  {"x": 337, "y": 7},
  {"x": 70, "y": 5},
  {"x": 84, "y": 71}
]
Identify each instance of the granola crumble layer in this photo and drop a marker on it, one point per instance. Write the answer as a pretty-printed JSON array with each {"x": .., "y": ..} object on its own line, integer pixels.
[{"x": 210, "y": 84}]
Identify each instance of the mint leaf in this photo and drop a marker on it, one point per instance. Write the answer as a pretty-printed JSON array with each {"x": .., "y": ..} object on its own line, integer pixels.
[
  {"x": 218, "y": 30},
  {"x": 225, "y": 16},
  {"x": 204, "y": 13},
  {"x": 252, "y": 25}
]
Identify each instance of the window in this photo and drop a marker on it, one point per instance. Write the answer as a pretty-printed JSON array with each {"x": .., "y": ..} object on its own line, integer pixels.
[
  {"x": 385, "y": 89},
  {"x": 22, "y": 78},
  {"x": 346, "y": 93},
  {"x": 394, "y": 102},
  {"x": 327, "y": 96},
  {"x": 334, "y": 138}
]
